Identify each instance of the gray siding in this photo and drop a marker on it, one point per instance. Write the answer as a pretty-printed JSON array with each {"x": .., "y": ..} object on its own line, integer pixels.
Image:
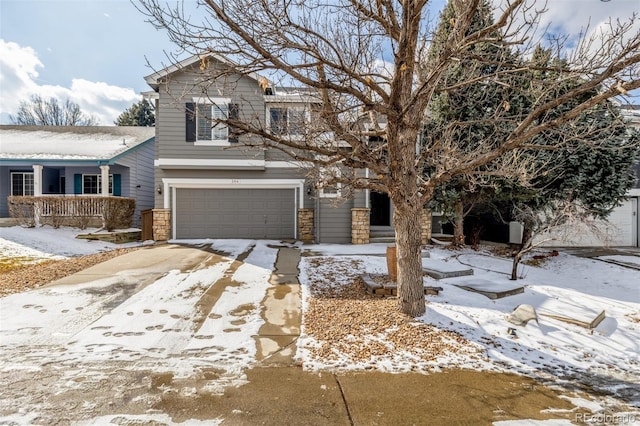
[
  {"x": 333, "y": 223},
  {"x": 170, "y": 119},
  {"x": 136, "y": 168}
]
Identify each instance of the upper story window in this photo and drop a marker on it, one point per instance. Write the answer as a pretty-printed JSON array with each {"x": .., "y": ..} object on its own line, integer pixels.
[
  {"x": 209, "y": 129},
  {"x": 22, "y": 183},
  {"x": 287, "y": 120},
  {"x": 205, "y": 118}
]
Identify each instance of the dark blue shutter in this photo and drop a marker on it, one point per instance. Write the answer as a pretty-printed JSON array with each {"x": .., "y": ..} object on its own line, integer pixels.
[
  {"x": 233, "y": 115},
  {"x": 117, "y": 185},
  {"x": 77, "y": 183},
  {"x": 190, "y": 120}
]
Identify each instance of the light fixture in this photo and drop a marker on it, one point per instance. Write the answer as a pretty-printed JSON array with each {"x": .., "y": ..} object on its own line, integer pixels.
[{"x": 159, "y": 189}]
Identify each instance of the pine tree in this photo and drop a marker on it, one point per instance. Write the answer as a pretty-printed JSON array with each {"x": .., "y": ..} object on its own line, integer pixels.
[
  {"x": 139, "y": 114},
  {"x": 463, "y": 118}
]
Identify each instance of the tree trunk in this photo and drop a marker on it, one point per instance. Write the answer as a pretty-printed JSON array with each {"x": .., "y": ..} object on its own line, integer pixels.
[
  {"x": 514, "y": 265},
  {"x": 458, "y": 224},
  {"x": 525, "y": 246},
  {"x": 409, "y": 245}
]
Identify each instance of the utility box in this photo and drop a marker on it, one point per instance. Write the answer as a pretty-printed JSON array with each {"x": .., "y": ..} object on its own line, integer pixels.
[{"x": 516, "y": 229}]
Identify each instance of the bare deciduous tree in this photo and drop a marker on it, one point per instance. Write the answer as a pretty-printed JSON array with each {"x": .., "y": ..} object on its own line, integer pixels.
[
  {"x": 367, "y": 58},
  {"x": 51, "y": 112}
]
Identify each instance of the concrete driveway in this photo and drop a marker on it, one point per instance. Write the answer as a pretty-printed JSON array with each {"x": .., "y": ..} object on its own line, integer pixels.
[{"x": 145, "y": 320}]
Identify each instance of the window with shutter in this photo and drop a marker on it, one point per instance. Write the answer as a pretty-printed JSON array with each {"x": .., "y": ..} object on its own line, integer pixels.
[{"x": 209, "y": 125}]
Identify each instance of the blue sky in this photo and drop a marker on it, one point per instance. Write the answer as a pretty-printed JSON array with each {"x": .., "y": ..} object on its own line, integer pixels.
[{"x": 96, "y": 52}]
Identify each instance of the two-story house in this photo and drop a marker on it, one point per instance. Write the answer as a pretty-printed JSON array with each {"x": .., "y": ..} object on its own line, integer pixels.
[{"x": 214, "y": 182}]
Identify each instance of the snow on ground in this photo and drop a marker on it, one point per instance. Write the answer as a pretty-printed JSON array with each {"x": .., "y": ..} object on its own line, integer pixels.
[
  {"x": 152, "y": 328},
  {"x": 111, "y": 319},
  {"x": 182, "y": 323},
  {"x": 46, "y": 242},
  {"x": 566, "y": 285}
]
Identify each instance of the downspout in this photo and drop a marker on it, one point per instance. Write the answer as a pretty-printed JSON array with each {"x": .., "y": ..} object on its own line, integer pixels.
[
  {"x": 317, "y": 219},
  {"x": 367, "y": 192}
]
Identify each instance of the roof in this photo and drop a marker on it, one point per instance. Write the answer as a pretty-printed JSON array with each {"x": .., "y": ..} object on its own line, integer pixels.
[
  {"x": 99, "y": 143},
  {"x": 154, "y": 79}
]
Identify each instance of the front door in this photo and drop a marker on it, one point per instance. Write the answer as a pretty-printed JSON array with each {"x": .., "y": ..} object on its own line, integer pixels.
[{"x": 380, "y": 209}]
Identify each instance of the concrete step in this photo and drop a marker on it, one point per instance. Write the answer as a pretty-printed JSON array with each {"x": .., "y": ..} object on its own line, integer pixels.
[{"x": 387, "y": 240}]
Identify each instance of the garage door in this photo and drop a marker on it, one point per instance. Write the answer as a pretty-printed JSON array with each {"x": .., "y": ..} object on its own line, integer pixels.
[
  {"x": 235, "y": 213},
  {"x": 621, "y": 230}
]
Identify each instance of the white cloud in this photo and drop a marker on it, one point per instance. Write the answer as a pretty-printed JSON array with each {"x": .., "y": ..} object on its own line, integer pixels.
[
  {"x": 19, "y": 81},
  {"x": 577, "y": 17}
]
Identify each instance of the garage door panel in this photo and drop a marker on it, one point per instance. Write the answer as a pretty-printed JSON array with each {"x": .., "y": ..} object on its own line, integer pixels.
[{"x": 237, "y": 213}]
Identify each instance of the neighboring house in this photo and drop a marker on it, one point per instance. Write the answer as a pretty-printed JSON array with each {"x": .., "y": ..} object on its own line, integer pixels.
[
  {"x": 75, "y": 161},
  {"x": 211, "y": 183},
  {"x": 623, "y": 227}
]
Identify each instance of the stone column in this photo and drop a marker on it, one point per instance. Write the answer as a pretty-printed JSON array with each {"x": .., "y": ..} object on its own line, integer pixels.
[
  {"x": 425, "y": 222},
  {"x": 360, "y": 226},
  {"x": 161, "y": 224},
  {"x": 104, "y": 176},
  {"x": 305, "y": 225}
]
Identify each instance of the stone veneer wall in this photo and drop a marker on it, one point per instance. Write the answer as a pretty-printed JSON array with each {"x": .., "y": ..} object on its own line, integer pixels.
[
  {"x": 360, "y": 226},
  {"x": 161, "y": 224},
  {"x": 425, "y": 221},
  {"x": 305, "y": 225}
]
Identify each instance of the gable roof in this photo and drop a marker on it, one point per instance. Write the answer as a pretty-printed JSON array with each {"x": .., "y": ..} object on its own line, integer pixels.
[
  {"x": 153, "y": 80},
  {"x": 70, "y": 143}
]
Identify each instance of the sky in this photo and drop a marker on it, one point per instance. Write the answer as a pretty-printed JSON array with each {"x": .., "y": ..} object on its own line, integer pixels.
[{"x": 96, "y": 53}]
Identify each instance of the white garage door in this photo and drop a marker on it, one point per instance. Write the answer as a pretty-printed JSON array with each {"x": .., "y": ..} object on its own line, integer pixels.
[
  {"x": 621, "y": 231},
  {"x": 235, "y": 213}
]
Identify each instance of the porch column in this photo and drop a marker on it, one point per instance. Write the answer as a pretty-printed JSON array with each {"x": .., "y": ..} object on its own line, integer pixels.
[
  {"x": 104, "y": 170},
  {"x": 37, "y": 180}
]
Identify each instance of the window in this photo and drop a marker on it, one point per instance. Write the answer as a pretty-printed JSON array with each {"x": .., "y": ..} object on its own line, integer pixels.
[
  {"x": 92, "y": 184},
  {"x": 287, "y": 121},
  {"x": 208, "y": 128},
  {"x": 21, "y": 183},
  {"x": 203, "y": 121},
  {"x": 326, "y": 175}
]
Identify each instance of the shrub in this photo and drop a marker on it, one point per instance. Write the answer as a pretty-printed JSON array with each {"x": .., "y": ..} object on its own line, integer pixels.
[
  {"x": 117, "y": 212},
  {"x": 22, "y": 209}
]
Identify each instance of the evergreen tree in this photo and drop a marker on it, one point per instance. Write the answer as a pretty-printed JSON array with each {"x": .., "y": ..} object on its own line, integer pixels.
[
  {"x": 139, "y": 114},
  {"x": 465, "y": 118},
  {"x": 587, "y": 170}
]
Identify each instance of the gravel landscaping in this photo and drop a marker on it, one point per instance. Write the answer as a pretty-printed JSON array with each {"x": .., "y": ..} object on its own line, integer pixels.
[{"x": 27, "y": 277}]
